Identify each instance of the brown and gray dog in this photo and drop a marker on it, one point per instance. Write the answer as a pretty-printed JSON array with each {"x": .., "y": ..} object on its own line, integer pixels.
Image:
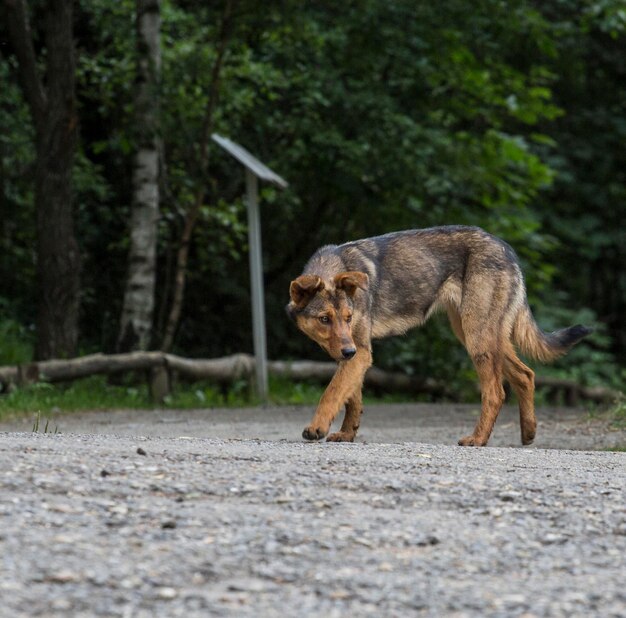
[{"x": 377, "y": 287}]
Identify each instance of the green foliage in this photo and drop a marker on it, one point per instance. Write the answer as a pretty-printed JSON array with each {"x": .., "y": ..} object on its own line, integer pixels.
[
  {"x": 16, "y": 344},
  {"x": 17, "y": 218}
]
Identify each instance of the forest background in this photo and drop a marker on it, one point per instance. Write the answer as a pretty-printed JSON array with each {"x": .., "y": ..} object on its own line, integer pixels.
[{"x": 122, "y": 226}]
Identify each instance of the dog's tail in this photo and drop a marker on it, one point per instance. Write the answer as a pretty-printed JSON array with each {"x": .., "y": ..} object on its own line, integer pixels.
[{"x": 544, "y": 347}]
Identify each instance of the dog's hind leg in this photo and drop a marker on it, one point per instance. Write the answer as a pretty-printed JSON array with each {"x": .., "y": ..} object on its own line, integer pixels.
[
  {"x": 522, "y": 380},
  {"x": 351, "y": 421},
  {"x": 484, "y": 309},
  {"x": 347, "y": 381},
  {"x": 488, "y": 365},
  {"x": 489, "y": 371},
  {"x": 455, "y": 322}
]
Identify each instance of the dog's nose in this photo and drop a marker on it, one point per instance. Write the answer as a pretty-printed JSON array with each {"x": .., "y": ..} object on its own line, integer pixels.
[{"x": 348, "y": 352}]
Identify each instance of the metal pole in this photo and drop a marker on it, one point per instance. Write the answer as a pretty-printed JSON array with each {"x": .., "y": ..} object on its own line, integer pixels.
[{"x": 256, "y": 284}]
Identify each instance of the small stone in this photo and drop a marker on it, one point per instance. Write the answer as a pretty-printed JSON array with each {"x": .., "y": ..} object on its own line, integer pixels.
[
  {"x": 198, "y": 579},
  {"x": 166, "y": 593},
  {"x": 63, "y": 508},
  {"x": 364, "y": 542},
  {"x": 63, "y": 577},
  {"x": 551, "y": 539},
  {"x": 322, "y": 504},
  {"x": 248, "y": 585},
  {"x": 140, "y": 451}
]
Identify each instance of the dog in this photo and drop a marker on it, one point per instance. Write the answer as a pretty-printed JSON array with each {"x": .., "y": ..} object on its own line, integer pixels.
[{"x": 377, "y": 287}]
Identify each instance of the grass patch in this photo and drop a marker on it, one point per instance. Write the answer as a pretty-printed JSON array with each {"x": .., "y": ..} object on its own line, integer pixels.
[
  {"x": 90, "y": 393},
  {"x": 618, "y": 414},
  {"x": 46, "y": 428},
  {"x": 95, "y": 393}
]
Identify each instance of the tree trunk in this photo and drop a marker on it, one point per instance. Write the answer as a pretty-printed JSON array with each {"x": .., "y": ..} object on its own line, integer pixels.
[
  {"x": 53, "y": 110},
  {"x": 137, "y": 313},
  {"x": 191, "y": 216},
  {"x": 182, "y": 257}
]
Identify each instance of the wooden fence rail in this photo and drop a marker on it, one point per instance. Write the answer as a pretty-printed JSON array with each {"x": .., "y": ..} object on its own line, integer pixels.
[{"x": 161, "y": 368}]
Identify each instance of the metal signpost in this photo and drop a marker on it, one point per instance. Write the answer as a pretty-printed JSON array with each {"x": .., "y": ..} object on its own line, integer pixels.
[{"x": 255, "y": 170}]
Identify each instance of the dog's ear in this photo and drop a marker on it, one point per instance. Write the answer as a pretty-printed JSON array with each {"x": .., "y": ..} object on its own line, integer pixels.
[
  {"x": 304, "y": 288},
  {"x": 350, "y": 281}
]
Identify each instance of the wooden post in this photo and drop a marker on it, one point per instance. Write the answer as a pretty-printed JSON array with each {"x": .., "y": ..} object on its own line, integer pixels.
[
  {"x": 256, "y": 285},
  {"x": 27, "y": 373},
  {"x": 160, "y": 383}
]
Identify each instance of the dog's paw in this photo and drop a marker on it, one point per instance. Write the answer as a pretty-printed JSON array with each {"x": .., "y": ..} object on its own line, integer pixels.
[
  {"x": 313, "y": 433},
  {"x": 472, "y": 441},
  {"x": 341, "y": 436},
  {"x": 528, "y": 435}
]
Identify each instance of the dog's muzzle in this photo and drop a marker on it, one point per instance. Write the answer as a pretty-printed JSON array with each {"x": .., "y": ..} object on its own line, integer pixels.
[{"x": 348, "y": 353}]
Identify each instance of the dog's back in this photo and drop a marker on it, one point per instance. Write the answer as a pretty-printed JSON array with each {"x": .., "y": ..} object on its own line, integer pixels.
[{"x": 415, "y": 272}]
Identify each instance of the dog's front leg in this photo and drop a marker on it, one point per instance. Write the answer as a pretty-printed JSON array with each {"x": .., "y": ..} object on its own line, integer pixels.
[
  {"x": 346, "y": 382},
  {"x": 351, "y": 421}
]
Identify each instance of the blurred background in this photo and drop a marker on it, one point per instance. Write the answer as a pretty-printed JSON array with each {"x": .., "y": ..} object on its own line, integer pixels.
[{"x": 116, "y": 208}]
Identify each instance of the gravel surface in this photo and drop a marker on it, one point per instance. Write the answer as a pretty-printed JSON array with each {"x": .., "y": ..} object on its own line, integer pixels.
[
  {"x": 124, "y": 525},
  {"x": 409, "y": 422}
]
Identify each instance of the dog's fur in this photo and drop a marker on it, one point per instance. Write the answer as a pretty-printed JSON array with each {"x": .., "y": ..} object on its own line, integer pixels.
[{"x": 377, "y": 287}]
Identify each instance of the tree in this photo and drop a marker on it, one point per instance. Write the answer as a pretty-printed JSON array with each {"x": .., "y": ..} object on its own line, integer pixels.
[
  {"x": 193, "y": 210},
  {"x": 52, "y": 103},
  {"x": 137, "y": 313}
]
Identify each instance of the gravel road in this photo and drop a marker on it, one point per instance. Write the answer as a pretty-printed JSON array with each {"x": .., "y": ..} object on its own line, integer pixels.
[
  {"x": 562, "y": 428},
  {"x": 98, "y": 524}
]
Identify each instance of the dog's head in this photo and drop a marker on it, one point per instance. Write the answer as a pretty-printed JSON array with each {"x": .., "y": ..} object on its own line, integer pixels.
[{"x": 323, "y": 310}]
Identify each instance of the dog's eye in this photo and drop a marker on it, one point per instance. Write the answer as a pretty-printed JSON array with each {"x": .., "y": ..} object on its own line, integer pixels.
[
  {"x": 324, "y": 319},
  {"x": 349, "y": 319}
]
